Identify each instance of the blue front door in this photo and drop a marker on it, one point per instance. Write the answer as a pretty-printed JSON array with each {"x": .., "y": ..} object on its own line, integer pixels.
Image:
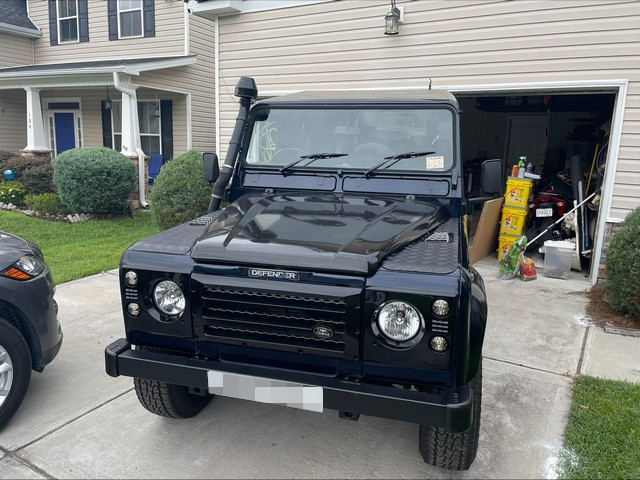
[{"x": 65, "y": 136}]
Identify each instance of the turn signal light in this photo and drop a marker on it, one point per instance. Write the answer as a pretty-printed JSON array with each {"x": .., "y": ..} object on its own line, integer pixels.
[{"x": 16, "y": 274}]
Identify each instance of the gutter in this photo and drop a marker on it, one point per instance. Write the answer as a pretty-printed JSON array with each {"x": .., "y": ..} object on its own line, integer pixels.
[
  {"x": 131, "y": 92},
  {"x": 22, "y": 31}
]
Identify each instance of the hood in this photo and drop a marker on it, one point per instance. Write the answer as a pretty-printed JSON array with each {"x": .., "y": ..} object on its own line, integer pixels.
[
  {"x": 11, "y": 249},
  {"x": 330, "y": 232}
]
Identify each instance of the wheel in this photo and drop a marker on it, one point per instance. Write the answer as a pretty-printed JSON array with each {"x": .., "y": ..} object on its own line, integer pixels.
[
  {"x": 15, "y": 370},
  {"x": 168, "y": 400},
  {"x": 454, "y": 451}
]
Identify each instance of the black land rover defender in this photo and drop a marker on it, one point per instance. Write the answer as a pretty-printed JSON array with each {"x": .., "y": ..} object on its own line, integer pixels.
[{"x": 337, "y": 277}]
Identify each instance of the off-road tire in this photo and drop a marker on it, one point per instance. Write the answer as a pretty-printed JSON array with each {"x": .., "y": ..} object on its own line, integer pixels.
[
  {"x": 18, "y": 351},
  {"x": 167, "y": 399},
  {"x": 454, "y": 451}
]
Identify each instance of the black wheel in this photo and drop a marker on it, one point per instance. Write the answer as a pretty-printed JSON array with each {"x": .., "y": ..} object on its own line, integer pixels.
[
  {"x": 168, "y": 400},
  {"x": 454, "y": 451},
  {"x": 15, "y": 370}
]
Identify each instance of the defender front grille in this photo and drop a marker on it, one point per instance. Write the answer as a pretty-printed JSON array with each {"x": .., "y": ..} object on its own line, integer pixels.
[{"x": 268, "y": 318}]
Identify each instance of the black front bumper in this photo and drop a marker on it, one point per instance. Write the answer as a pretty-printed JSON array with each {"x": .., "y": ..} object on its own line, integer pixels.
[{"x": 451, "y": 410}]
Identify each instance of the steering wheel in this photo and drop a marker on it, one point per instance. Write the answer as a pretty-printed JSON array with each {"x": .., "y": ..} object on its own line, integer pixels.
[{"x": 287, "y": 155}]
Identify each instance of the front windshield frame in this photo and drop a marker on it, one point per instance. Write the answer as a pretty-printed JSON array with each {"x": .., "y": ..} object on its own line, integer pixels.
[{"x": 399, "y": 168}]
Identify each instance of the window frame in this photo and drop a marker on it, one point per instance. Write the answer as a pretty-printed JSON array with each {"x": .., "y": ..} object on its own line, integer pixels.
[
  {"x": 119, "y": 11},
  {"x": 159, "y": 134},
  {"x": 59, "y": 18}
]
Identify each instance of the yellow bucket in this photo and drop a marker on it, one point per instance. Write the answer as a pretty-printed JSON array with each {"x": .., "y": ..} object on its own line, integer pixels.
[
  {"x": 504, "y": 243},
  {"x": 518, "y": 190},
  {"x": 513, "y": 220}
]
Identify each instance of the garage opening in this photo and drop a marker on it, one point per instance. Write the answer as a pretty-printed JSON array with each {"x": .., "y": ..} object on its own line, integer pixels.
[{"x": 564, "y": 138}]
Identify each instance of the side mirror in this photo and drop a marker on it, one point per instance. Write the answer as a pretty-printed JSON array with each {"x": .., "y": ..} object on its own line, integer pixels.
[
  {"x": 491, "y": 179},
  {"x": 211, "y": 167}
]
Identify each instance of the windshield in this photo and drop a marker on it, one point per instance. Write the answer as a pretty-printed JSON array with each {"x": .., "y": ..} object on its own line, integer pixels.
[{"x": 353, "y": 139}]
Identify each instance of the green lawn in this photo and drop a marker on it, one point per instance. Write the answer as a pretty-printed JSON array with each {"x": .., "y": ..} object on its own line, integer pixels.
[
  {"x": 77, "y": 250},
  {"x": 602, "y": 439}
]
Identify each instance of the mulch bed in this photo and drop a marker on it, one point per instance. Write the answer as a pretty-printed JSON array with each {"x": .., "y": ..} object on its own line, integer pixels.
[{"x": 601, "y": 314}]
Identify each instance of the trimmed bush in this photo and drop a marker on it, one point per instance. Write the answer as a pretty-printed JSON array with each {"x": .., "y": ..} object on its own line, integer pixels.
[
  {"x": 12, "y": 191},
  {"x": 34, "y": 173},
  {"x": 46, "y": 203},
  {"x": 5, "y": 156},
  {"x": 180, "y": 193},
  {"x": 623, "y": 267},
  {"x": 94, "y": 180}
]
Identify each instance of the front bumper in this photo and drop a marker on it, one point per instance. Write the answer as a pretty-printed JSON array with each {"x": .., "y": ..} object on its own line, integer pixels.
[{"x": 451, "y": 410}]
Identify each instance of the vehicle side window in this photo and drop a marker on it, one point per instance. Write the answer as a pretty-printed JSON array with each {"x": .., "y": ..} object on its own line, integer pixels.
[
  {"x": 68, "y": 21},
  {"x": 131, "y": 19}
]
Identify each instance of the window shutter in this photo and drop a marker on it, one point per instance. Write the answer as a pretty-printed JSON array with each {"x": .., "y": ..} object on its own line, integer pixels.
[
  {"x": 83, "y": 20},
  {"x": 149, "y": 18},
  {"x": 166, "y": 128},
  {"x": 112, "y": 14},
  {"x": 53, "y": 23},
  {"x": 107, "y": 139}
]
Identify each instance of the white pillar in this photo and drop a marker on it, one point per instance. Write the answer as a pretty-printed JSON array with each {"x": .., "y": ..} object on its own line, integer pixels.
[
  {"x": 129, "y": 127},
  {"x": 36, "y": 140}
]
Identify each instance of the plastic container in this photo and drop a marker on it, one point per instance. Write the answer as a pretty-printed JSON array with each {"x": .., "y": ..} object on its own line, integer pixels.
[
  {"x": 504, "y": 243},
  {"x": 513, "y": 220},
  {"x": 557, "y": 258},
  {"x": 518, "y": 190}
]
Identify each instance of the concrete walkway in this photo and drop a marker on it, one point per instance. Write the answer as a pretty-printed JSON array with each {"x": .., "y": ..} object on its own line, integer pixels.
[{"x": 76, "y": 422}]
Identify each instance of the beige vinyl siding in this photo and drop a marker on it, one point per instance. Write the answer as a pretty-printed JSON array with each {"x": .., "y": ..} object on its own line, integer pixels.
[
  {"x": 13, "y": 120},
  {"x": 196, "y": 79},
  {"x": 169, "y": 39},
  {"x": 336, "y": 45},
  {"x": 15, "y": 50}
]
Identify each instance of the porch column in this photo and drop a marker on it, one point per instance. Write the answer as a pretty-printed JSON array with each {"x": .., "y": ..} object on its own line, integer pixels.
[
  {"x": 130, "y": 138},
  {"x": 36, "y": 140}
]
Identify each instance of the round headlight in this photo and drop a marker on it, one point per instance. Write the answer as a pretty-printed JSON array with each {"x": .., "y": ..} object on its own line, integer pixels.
[
  {"x": 441, "y": 308},
  {"x": 399, "y": 321},
  {"x": 169, "y": 298},
  {"x": 131, "y": 278}
]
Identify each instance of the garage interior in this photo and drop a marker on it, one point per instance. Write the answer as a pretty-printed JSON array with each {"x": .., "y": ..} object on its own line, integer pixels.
[{"x": 555, "y": 132}]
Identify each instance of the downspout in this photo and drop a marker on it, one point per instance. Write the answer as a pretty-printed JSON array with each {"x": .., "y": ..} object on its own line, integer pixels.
[
  {"x": 131, "y": 92},
  {"x": 216, "y": 65}
]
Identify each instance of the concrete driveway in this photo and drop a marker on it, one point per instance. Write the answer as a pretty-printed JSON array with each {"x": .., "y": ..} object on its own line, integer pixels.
[{"x": 76, "y": 422}]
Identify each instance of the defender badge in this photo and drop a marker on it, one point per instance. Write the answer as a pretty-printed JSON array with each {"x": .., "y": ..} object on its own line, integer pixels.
[
  {"x": 323, "y": 332},
  {"x": 277, "y": 274}
]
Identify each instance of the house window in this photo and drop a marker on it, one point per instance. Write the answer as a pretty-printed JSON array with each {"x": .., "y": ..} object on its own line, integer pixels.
[
  {"x": 67, "y": 21},
  {"x": 149, "y": 122},
  {"x": 130, "y": 18}
]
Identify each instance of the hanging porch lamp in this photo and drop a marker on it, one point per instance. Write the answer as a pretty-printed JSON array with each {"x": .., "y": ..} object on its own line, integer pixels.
[
  {"x": 392, "y": 20},
  {"x": 108, "y": 103}
]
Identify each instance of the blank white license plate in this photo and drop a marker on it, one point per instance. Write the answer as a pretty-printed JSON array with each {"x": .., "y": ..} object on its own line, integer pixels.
[
  {"x": 265, "y": 390},
  {"x": 544, "y": 212}
]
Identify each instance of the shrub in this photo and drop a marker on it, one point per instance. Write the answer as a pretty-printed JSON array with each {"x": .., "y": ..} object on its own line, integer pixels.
[
  {"x": 4, "y": 158},
  {"x": 12, "y": 192},
  {"x": 94, "y": 180},
  {"x": 180, "y": 193},
  {"x": 46, "y": 203},
  {"x": 623, "y": 267},
  {"x": 34, "y": 173}
]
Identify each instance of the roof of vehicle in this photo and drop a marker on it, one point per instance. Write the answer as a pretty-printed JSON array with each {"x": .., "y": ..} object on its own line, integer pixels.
[{"x": 333, "y": 97}]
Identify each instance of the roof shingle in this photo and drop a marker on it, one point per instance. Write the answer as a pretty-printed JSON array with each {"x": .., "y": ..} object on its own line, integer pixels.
[{"x": 14, "y": 12}]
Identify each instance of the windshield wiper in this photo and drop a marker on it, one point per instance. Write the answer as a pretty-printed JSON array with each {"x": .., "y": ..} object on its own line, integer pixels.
[
  {"x": 392, "y": 160},
  {"x": 313, "y": 157}
]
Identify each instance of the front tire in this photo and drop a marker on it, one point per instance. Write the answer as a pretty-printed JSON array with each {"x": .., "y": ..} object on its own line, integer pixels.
[
  {"x": 15, "y": 370},
  {"x": 454, "y": 451}
]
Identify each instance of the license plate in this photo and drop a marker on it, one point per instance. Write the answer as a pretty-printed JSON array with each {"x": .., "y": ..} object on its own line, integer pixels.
[
  {"x": 265, "y": 390},
  {"x": 544, "y": 212}
]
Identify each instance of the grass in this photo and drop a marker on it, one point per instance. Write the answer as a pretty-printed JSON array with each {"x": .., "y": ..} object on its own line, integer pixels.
[
  {"x": 602, "y": 439},
  {"x": 80, "y": 249}
]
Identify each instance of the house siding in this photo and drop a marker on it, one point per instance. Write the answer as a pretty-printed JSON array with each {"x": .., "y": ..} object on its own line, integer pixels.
[
  {"x": 341, "y": 45},
  {"x": 13, "y": 120},
  {"x": 168, "y": 41},
  {"x": 197, "y": 79},
  {"x": 15, "y": 50}
]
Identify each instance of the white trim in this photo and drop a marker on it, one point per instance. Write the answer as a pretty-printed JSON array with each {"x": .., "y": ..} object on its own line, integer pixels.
[
  {"x": 615, "y": 220},
  {"x": 216, "y": 66},
  {"x": 141, "y": 10},
  {"x": 185, "y": 13},
  {"x": 59, "y": 18},
  {"x": 16, "y": 30},
  {"x": 131, "y": 69},
  {"x": 189, "y": 124},
  {"x": 617, "y": 86},
  {"x": 212, "y": 8}
]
